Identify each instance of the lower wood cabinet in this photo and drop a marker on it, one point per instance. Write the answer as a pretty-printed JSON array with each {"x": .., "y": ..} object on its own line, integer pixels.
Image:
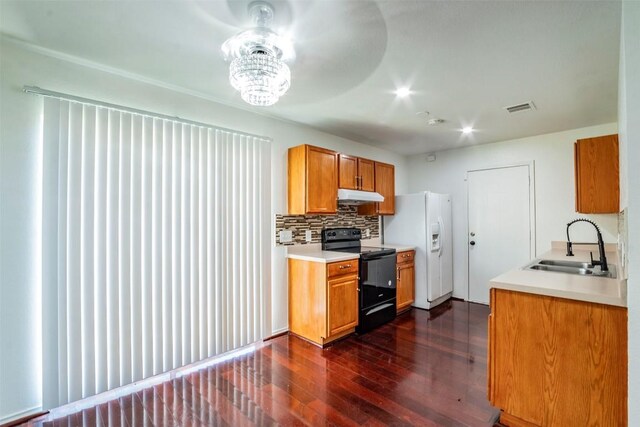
[
  {"x": 557, "y": 362},
  {"x": 406, "y": 274},
  {"x": 323, "y": 299}
]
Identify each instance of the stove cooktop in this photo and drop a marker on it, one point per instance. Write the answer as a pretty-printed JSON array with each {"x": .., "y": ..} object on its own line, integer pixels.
[{"x": 366, "y": 250}]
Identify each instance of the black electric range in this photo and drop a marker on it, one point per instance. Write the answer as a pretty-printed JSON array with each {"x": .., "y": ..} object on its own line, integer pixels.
[{"x": 377, "y": 276}]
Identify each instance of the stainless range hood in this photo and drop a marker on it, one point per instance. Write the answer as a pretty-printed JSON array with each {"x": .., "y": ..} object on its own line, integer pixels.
[{"x": 357, "y": 197}]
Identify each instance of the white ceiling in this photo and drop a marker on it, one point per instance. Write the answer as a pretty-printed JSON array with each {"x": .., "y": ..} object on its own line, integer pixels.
[{"x": 463, "y": 61}]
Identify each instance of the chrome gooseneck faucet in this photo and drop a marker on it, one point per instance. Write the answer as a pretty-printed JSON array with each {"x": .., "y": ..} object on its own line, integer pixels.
[{"x": 603, "y": 258}]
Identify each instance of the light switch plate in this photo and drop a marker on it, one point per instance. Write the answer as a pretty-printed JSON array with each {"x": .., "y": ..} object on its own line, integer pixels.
[
  {"x": 307, "y": 235},
  {"x": 367, "y": 233},
  {"x": 286, "y": 236}
]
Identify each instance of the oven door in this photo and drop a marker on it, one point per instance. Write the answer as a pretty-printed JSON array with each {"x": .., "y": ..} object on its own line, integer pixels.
[{"x": 377, "y": 280}]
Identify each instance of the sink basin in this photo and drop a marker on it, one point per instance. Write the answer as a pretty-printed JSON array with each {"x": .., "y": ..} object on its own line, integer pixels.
[
  {"x": 571, "y": 267},
  {"x": 562, "y": 269},
  {"x": 575, "y": 264}
]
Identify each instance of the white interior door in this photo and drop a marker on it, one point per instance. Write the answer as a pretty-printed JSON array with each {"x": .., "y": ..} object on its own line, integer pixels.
[{"x": 500, "y": 229}]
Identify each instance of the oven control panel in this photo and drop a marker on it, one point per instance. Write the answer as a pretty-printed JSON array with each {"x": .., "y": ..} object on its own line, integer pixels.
[{"x": 332, "y": 234}]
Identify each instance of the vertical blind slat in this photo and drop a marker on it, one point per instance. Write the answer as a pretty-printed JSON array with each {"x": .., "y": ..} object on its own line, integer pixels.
[
  {"x": 62, "y": 250},
  {"x": 112, "y": 233},
  {"x": 153, "y": 247},
  {"x": 136, "y": 249},
  {"x": 100, "y": 246},
  {"x": 167, "y": 142},
  {"x": 156, "y": 245},
  {"x": 209, "y": 197},
  {"x": 147, "y": 253},
  {"x": 87, "y": 233},
  {"x": 124, "y": 243},
  {"x": 50, "y": 242},
  {"x": 186, "y": 246},
  {"x": 193, "y": 268},
  {"x": 176, "y": 214}
]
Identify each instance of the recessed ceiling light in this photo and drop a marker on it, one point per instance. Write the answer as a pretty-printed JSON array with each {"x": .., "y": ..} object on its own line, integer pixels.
[
  {"x": 403, "y": 92},
  {"x": 467, "y": 130}
]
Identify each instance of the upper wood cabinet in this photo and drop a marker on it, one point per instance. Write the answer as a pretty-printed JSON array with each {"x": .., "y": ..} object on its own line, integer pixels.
[
  {"x": 312, "y": 180},
  {"x": 356, "y": 173},
  {"x": 384, "y": 184},
  {"x": 597, "y": 175},
  {"x": 366, "y": 172}
]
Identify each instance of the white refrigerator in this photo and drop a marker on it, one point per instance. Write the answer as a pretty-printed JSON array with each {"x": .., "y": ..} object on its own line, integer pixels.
[{"x": 423, "y": 220}]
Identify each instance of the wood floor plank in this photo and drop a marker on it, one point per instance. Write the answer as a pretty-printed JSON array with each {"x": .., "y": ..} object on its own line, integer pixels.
[{"x": 425, "y": 368}]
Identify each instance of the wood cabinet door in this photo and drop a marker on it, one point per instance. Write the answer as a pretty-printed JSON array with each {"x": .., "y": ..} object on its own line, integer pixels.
[
  {"x": 597, "y": 175},
  {"x": 322, "y": 181},
  {"x": 405, "y": 285},
  {"x": 555, "y": 361},
  {"x": 342, "y": 301},
  {"x": 386, "y": 185},
  {"x": 348, "y": 170},
  {"x": 366, "y": 174}
]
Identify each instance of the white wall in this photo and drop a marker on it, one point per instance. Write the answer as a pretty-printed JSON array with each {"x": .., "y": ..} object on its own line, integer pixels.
[
  {"x": 554, "y": 183},
  {"x": 630, "y": 134},
  {"x": 20, "y": 163}
]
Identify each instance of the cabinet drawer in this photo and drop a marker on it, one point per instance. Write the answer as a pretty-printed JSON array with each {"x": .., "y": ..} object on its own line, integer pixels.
[
  {"x": 342, "y": 267},
  {"x": 406, "y": 256}
]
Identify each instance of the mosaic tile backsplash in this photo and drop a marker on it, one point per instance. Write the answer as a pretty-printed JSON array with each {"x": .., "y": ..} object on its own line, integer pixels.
[{"x": 347, "y": 216}]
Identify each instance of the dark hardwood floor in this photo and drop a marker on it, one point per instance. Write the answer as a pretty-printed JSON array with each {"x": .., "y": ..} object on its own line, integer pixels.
[{"x": 424, "y": 368}]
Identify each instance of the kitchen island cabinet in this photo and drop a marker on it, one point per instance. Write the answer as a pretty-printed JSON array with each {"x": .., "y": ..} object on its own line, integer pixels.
[{"x": 323, "y": 299}]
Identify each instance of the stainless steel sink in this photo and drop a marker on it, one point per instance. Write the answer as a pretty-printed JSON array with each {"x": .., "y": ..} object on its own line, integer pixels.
[
  {"x": 571, "y": 267},
  {"x": 559, "y": 263}
]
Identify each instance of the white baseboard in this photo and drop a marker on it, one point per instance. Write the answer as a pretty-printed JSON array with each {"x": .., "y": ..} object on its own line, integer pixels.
[
  {"x": 277, "y": 332},
  {"x": 20, "y": 414}
]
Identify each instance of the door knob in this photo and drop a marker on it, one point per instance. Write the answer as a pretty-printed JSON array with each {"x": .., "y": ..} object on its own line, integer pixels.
[{"x": 472, "y": 243}]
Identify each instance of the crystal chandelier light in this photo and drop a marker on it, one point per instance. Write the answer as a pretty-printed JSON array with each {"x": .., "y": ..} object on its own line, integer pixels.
[{"x": 258, "y": 69}]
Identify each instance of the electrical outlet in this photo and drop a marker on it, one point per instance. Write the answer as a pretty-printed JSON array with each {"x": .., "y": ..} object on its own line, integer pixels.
[
  {"x": 286, "y": 236},
  {"x": 367, "y": 233},
  {"x": 307, "y": 236}
]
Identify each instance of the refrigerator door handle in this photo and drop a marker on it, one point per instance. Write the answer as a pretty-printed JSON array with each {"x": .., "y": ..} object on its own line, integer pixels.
[{"x": 441, "y": 235}]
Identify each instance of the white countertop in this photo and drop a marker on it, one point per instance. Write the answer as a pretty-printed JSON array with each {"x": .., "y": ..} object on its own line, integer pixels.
[
  {"x": 313, "y": 252},
  {"x": 398, "y": 248},
  {"x": 601, "y": 290}
]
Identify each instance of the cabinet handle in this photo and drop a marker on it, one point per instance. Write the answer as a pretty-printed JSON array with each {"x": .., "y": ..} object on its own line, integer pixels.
[
  {"x": 344, "y": 266},
  {"x": 398, "y": 273}
]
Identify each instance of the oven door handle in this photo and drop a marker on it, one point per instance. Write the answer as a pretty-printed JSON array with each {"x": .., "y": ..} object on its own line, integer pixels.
[{"x": 377, "y": 257}]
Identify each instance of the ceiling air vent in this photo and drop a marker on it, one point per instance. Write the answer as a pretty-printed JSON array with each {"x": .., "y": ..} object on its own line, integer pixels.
[{"x": 521, "y": 107}]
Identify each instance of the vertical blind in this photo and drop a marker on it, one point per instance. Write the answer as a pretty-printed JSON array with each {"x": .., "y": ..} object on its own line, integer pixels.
[{"x": 155, "y": 245}]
